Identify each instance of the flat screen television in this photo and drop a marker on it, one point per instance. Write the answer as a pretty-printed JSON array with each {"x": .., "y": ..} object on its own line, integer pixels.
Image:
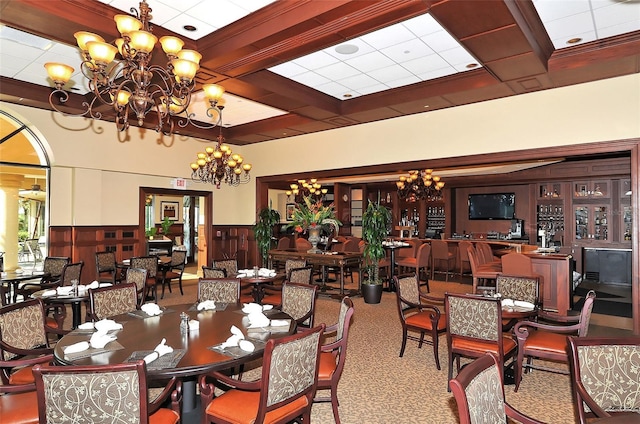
[{"x": 492, "y": 206}]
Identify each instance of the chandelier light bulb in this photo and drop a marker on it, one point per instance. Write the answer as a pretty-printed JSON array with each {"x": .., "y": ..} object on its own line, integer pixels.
[
  {"x": 190, "y": 55},
  {"x": 83, "y": 37},
  {"x": 101, "y": 53},
  {"x": 185, "y": 70},
  {"x": 213, "y": 92},
  {"x": 171, "y": 45},
  {"x": 59, "y": 72},
  {"x": 217, "y": 154},
  {"x": 420, "y": 185},
  {"x": 122, "y": 98},
  {"x": 142, "y": 41},
  {"x": 194, "y": 166},
  {"x": 127, "y": 24}
]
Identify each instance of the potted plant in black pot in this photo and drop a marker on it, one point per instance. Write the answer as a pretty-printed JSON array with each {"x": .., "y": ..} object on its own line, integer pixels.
[
  {"x": 375, "y": 222},
  {"x": 263, "y": 231}
]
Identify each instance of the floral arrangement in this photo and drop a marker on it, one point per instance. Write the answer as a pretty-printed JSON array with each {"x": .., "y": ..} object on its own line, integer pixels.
[{"x": 311, "y": 213}]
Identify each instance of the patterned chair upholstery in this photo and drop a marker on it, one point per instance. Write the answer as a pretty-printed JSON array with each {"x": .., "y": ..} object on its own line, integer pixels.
[
  {"x": 479, "y": 393},
  {"x": 208, "y": 272},
  {"x": 111, "y": 301},
  {"x": 103, "y": 394},
  {"x": 150, "y": 263},
  {"x": 106, "y": 270},
  {"x": 229, "y": 265},
  {"x": 299, "y": 302},
  {"x": 292, "y": 264},
  {"x": 301, "y": 275},
  {"x": 333, "y": 356},
  {"x": 547, "y": 339},
  {"x": 419, "y": 312},
  {"x": 514, "y": 287},
  {"x": 605, "y": 376},
  {"x": 225, "y": 290},
  {"x": 137, "y": 276},
  {"x": 70, "y": 273},
  {"x": 174, "y": 270},
  {"x": 23, "y": 341},
  {"x": 474, "y": 327},
  {"x": 283, "y": 393}
]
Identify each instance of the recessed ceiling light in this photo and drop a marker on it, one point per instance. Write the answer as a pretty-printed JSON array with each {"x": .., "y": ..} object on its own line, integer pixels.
[
  {"x": 190, "y": 28},
  {"x": 574, "y": 40},
  {"x": 347, "y": 48},
  {"x": 347, "y": 95},
  {"x": 472, "y": 65}
]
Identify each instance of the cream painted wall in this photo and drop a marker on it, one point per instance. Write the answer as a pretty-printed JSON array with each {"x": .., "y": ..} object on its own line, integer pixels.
[{"x": 93, "y": 182}]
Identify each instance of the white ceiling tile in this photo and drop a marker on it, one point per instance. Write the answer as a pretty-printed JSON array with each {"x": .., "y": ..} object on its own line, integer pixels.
[
  {"x": 181, "y": 5},
  {"x": 162, "y": 13},
  {"x": 13, "y": 49},
  {"x": 425, "y": 64},
  {"x": 315, "y": 60},
  {"x": 337, "y": 71},
  {"x": 373, "y": 89},
  {"x": 390, "y": 73},
  {"x": 310, "y": 79},
  {"x": 369, "y": 62},
  {"x": 586, "y": 37},
  {"x": 569, "y": 26},
  {"x": 177, "y": 25},
  {"x": 617, "y": 29},
  {"x": 617, "y": 14},
  {"x": 440, "y": 41},
  {"x": 358, "y": 81},
  {"x": 550, "y": 10},
  {"x": 71, "y": 53},
  {"x": 422, "y": 25},
  {"x": 252, "y": 5},
  {"x": 333, "y": 89},
  {"x": 457, "y": 56},
  {"x": 218, "y": 14},
  {"x": 437, "y": 73},
  {"x": 388, "y": 36},
  {"x": 401, "y": 82},
  {"x": 409, "y": 50},
  {"x": 288, "y": 69}
]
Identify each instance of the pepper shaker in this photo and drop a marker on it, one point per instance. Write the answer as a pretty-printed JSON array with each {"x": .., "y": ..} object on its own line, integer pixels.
[{"x": 184, "y": 322}]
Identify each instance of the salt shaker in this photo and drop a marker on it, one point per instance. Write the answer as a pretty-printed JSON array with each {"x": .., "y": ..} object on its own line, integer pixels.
[
  {"x": 184, "y": 322},
  {"x": 74, "y": 284}
]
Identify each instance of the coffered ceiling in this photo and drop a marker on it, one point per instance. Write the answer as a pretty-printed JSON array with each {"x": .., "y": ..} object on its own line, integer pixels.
[{"x": 292, "y": 67}]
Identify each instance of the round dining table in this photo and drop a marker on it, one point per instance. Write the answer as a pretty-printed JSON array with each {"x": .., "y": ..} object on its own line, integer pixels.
[
  {"x": 194, "y": 350},
  {"x": 72, "y": 298}
]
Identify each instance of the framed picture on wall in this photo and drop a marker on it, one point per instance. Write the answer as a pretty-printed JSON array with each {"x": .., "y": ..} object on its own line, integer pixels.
[
  {"x": 170, "y": 210},
  {"x": 290, "y": 208}
]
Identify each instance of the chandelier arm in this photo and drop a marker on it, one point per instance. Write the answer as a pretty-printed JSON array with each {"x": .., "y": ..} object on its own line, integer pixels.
[{"x": 186, "y": 120}]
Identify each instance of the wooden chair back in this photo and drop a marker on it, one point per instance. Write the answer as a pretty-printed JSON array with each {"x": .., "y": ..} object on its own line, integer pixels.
[
  {"x": 300, "y": 275},
  {"x": 516, "y": 287},
  {"x": 208, "y": 272},
  {"x": 299, "y": 302},
  {"x": 230, "y": 266}
]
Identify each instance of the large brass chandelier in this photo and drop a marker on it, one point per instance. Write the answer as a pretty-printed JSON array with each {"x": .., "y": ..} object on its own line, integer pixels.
[
  {"x": 131, "y": 84},
  {"x": 219, "y": 165},
  {"x": 420, "y": 185},
  {"x": 303, "y": 189}
]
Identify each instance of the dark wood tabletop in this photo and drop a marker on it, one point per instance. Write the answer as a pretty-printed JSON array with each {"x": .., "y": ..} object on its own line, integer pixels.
[{"x": 144, "y": 334}]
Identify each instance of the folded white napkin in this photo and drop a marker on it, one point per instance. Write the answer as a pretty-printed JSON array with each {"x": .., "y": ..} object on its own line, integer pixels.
[
  {"x": 249, "y": 308},
  {"x": 237, "y": 339},
  {"x": 105, "y": 285},
  {"x": 64, "y": 290},
  {"x": 267, "y": 307},
  {"x": 161, "y": 349},
  {"x": 194, "y": 324},
  {"x": 99, "y": 339},
  {"x": 507, "y": 302},
  {"x": 207, "y": 305},
  {"x": 105, "y": 325},
  {"x": 48, "y": 293},
  {"x": 523, "y": 304},
  {"x": 279, "y": 322},
  {"x": 258, "y": 319},
  {"x": 76, "y": 347},
  {"x": 266, "y": 272},
  {"x": 86, "y": 326},
  {"x": 232, "y": 341},
  {"x": 246, "y": 345},
  {"x": 151, "y": 309}
]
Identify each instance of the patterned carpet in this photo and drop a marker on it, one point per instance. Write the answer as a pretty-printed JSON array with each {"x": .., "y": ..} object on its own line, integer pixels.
[{"x": 379, "y": 387}]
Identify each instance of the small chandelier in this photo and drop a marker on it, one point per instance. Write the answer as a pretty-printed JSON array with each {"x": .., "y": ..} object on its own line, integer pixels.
[
  {"x": 306, "y": 189},
  {"x": 220, "y": 165},
  {"x": 420, "y": 185},
  {"x": 132, "y": 84}
]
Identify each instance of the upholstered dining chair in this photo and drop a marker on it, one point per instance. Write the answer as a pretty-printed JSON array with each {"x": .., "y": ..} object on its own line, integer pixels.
[
  {"x": 419, "y": 313},
  {"x": 302, "y": 244},
  {"x": 230, "y": 266},
  {"x": 474, "y": 326},
  {"x": 52, "y": 268},
  {"x": 333, "y": 356},
  {"x": 19, "y": 403},
  {"x": 224, "y": 290},
  {"x": 174, "y": 270},
  {"x": 463, "y": 256},
  {"x": 24, "y": 341},
  {"x": 481, "y": 273},
  {"x": 111, "y": 301},
  {"x": 300, "y": 275},
  {"x": 605, "y": 376},
  {"x": 106, "y": 269},
  {"x": 517, "y": 287},
  {"x": 290, "y": 264},
  {"x": 70, "y": 273},
  {"x": 479, "y": 393},
  {"x": 103, "y": 393},
  {"x": 299, "y": 302},
  {"x": 208, "y": 272},
  {"x": 273, "y": 293},
  {"x": 421, "y": 261},
  {"x": 150, "y": 263},
  {"x": 137, "y": 276},
  {"x": 515, "y": 263},
  {"x": 440, "y": 253},
  {"x": 547, "y": 338},
  {"x": 284, "y": 392},
  {"x": 485, "y": 254}
]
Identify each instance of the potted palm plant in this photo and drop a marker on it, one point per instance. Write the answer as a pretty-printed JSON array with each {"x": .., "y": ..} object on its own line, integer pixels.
[
  {"x": 375, "y": 222},
  {"x": 312, "y": 216},
  {"x": 263, "y": 230}
]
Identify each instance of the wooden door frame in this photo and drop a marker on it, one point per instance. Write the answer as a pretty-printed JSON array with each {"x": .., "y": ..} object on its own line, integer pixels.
[{"x": 208, "y": 211}]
